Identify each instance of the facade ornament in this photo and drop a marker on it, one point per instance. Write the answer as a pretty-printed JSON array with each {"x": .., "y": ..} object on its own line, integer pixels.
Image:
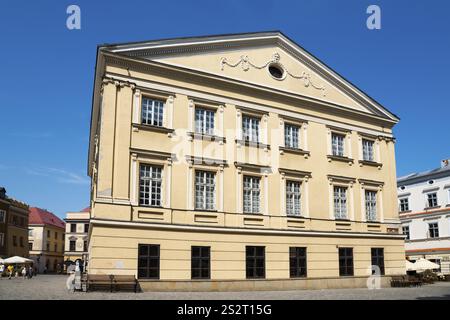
[{"x": 245, "y": 64}]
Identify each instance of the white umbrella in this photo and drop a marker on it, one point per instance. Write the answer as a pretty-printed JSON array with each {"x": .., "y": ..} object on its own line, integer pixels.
[
  {"x": 424, "y": 264},
  {"x": 17, "y": 259},
  {"x": 410, "y": 266}
]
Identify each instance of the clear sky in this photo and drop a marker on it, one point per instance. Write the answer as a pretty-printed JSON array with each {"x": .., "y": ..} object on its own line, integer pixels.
[{"x": 46, "y": 73}]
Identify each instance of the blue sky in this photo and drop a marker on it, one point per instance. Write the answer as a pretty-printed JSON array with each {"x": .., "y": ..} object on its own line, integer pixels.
[{"x": 47, "y": 73}]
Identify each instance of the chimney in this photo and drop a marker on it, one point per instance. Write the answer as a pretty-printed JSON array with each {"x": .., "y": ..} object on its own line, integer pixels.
[{"x": 445, "y": 163}]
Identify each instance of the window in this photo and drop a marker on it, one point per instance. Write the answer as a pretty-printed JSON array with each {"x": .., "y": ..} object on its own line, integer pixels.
[
  {"x": 148, "y": 261},
  {"x": 251, "y": 194},
  {"x": 345, "y": 262},
  {"x": 297, "y": 262},
  {"x": 72, "y": 245},
  {"x": 340, "y": 202},
  {"x": 86, "y": 227},
  {"x": 432, "y": 200},
  {"x": 276, "y": 71},
  {"x": 56, "y": 247},
  {"x": 378, "y": 259},
  {"x": 56, "y": 235},
  {"x": 150, "y": 180},
  {"x": 404, "y": 204},
  {"x": 291, "y": 136},
  {"x": 250, "y": 129},
  {"x": 255, "y": 262},
  {"x": 85, "y": 246},
  {"x": 337, "y": 144},
  {"x": 2, "y": 216},
  {"x": 205, "y": 190},
  {"x": 292, "y": 198},
  {"x": 73, "y": 227},
  {"x": 15, "y": 241},
  {"x": 152, "y": 112},
  {"x": 30, "y": 246},
  {"x": 405, "y": 230},
  {"x": 367, "y": 150},
  {"x": 200, "y": 262},
  {"x": 433, "y": 230},
  {"x": 48, "y": 233},
  {"x": 21, "y": 242},
  {"x": 371, "y": 205},
  {"x": 204, "y": 121},
  {"x": 30, "y": 232},
  {"x": 48, "y": 246},
  {"x": 2, "y": 239}
]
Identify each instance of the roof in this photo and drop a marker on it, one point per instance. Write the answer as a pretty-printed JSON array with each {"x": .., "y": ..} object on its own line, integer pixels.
[
  {"x": 44, "y": 217},
  {"x": 88, "y": 209},
  {"x": 425, "y": 175}
]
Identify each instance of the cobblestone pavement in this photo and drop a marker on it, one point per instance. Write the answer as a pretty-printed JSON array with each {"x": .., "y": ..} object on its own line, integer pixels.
[{"x": 54, "y": 287}]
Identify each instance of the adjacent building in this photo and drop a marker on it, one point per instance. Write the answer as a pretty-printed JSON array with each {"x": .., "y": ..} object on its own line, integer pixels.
[
  {"x": 13, "y": 227},
  {"x": 77, "y": 230},
  {"x": 424, "y": 206},
  {"x": 238, "y": 162},
  {"x": 46, "y": 240}
]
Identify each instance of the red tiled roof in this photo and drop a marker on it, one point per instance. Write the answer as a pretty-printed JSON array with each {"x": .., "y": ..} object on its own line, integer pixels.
[
  {"x": 41, "y": 216},
  {"x": 88, "y": 209}
]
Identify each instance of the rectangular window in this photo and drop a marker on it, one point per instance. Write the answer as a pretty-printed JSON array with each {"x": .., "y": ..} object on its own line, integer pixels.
[
  {"x": 204, "y": 121},
  {"x": 340, "y": 202},
  {"x": 255, "y": 264},
  {"x": 56, "y": 247},
  {"x": 48, "y": 246},
  {"x": 30, "y": 246},
  {"x": 86, "y": 228},
  {"x": 2, "y": 239},
  {"x": 337, "y": 144},
  {"x": 2, "y": 216},
  {"x": 378, "y": 259},
  {"x": 297, "y": 262},
  {"x": 345, "y": 262},
  {"x": 85, "y": 246},
  {"x": 73, "y": 227},
  {"x": 250, "y": 129},
  {"x": 205, "y": 190},
  {"x": 292, "y": 198},
  {"x": 72, "y": 245},
  {"x": 291, "y": 136},
  {"x": 148, "y": 261},
  {"x": 14, "y": 241},
  {"x": 152, "y": 112},
  {"x": 405, "y": 230},
  {"x": 367, "y": 150},
  {"x": 251, "y": 194},
  {"x": 432, "y": 200},
  {"x": 200, "y": 262},
  {"x": 433, "y": 229},
  {"x": 371, "y": 205},
  {"x": 404, "y": 204},
  {"x": 150, "y": 180},
  {"x": 48, "y": 234}
]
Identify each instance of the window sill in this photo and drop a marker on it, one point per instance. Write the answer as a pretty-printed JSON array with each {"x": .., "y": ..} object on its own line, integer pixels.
[
  {"x": 295, "y": 151},
  {"x": 253, "y": 144},
  {"x": 431, "y": 208},
  {"x": 342, "y": 220},
  {"x": 403, "y": 212},
  {"x": 370, "y": 163},
  {"x": 205, "y": 210},
  {"x": 148, "y": 127},
  {"x": 340, "y": 158},
  {"x": 206, "y": 137}
]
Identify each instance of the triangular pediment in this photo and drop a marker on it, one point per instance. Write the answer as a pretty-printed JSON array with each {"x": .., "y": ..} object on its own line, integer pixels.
[{"x": 265, "y": 59}]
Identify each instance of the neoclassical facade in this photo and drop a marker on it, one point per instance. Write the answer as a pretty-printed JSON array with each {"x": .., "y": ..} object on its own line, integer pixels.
[
  {"x": 76, "y": 243},
  {"x": 238, "y": 162}
]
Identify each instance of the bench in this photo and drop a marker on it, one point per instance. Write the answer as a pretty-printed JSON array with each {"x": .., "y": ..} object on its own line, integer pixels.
[
  {"x": 405, "y": 281},
  {"x": 99, "y": 281},
  {"x": 125, "y": 282}
]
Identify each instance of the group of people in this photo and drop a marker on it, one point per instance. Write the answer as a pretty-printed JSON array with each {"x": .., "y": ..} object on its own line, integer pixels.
[{"x": 24, "y": 271}]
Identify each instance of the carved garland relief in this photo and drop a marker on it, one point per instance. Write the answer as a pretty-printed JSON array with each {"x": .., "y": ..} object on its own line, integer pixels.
[{"x": 245, "y": 63}]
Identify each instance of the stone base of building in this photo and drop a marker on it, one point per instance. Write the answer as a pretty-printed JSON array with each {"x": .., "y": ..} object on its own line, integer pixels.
[{"x": 263, "y": 285}]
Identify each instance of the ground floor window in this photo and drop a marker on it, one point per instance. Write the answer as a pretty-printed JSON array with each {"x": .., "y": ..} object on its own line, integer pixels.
[
  {"x": 378, "y": 259},
  {"x": 297, "y": 262},
  {"x": 255, "y": 262},
  {"x": 345, "y": 262},
  {"x": 200, "y": 262},
  {"x": 148, "y": 261}
]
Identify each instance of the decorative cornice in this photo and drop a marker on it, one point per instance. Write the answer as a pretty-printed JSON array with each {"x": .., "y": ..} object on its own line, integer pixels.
[
  {"x": 245, "y": 64},
  {"x": 206, "y": 161}
]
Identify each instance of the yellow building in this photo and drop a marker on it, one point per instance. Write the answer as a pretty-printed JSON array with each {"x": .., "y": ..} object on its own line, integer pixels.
[
  {"x": 46, "y": 241},
  {"x": 76, "y": 244},
  {"x": 238, "y": 162}
]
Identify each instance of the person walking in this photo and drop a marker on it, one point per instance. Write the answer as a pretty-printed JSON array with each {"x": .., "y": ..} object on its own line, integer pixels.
[
  {"x": 10, "y": 271},
  {"x": 30, "y": 272},
  {"x": 24, "y": 272}
]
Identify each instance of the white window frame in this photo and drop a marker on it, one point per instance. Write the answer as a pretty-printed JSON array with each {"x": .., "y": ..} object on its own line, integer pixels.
[
  {"x": 437, "y": 229},
  {"x": 335, "y": 146},
  {"x": 255, "y": 208},
  {"x": 409, "y": 231},
  {"x": 400, "y": 204},
  {"x": 295, "y": 210},
  {"x": 3, "y": 215},
  {"x": 340, "y": 211},
  {"x": 156, "y": 115},
  {"x": 427, "y": 195},
  {"x": 290, "y": 131},
  {"x": 203, "y": 186},
  {"x": 371, "y": 205},
  {"x": 201, "y": 125},
  {"x": 251, "y": 134},
  {"x": 159, "y": 180},
  {"x": 368, "y": 155}
]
